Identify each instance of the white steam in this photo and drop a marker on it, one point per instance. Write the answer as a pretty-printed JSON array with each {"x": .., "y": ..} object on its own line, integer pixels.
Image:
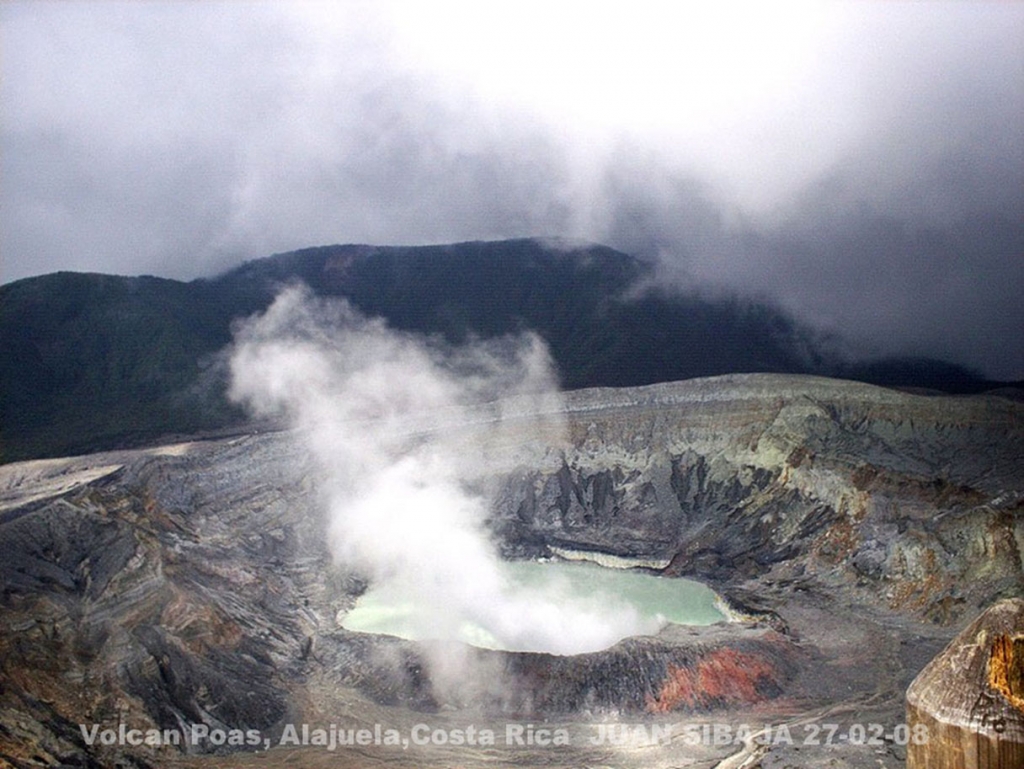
[{"x": 405, "y": 431}]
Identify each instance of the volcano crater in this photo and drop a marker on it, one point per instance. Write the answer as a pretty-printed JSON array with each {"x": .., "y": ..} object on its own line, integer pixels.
[{"x": 850, "y": 528}]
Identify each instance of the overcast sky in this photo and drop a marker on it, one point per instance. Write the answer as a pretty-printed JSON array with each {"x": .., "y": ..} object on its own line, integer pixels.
[{"x": 860, "y": 164}]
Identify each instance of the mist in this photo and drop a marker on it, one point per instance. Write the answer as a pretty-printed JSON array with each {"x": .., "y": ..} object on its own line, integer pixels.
[
  {"x": 859, "y": 164},
  {"x": 407, "y": 434}
]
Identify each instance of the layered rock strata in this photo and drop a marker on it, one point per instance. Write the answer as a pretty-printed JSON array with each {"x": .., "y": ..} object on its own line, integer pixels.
[
  {"x": 914, "y": 498},
  {"x": 192, "y": 584}
]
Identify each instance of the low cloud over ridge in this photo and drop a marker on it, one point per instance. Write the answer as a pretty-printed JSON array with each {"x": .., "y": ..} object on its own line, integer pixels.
[{"x": 859, "y": 163}]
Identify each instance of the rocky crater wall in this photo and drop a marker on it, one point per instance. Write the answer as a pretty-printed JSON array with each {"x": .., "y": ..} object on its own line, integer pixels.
[
  {"x": 914, "y": 498},
  {"x": 192, "y": 583}
]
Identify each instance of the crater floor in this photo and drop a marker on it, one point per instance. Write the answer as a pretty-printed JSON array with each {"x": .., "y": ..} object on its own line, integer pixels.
[{"x": 853, "y": 531}]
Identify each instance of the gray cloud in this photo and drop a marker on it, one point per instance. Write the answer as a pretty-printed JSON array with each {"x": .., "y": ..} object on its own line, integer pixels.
[{"x": 863, "y": 165}]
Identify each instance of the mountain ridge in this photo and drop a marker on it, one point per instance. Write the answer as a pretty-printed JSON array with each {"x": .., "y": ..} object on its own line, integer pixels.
[{"x": 90, "y": 361}]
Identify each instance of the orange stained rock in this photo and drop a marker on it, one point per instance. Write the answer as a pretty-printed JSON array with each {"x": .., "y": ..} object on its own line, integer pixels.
[{"x": 725, "y": 676}]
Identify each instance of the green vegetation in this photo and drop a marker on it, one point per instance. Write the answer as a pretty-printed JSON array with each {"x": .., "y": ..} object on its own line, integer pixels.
[{"x": 89, "y": 362}]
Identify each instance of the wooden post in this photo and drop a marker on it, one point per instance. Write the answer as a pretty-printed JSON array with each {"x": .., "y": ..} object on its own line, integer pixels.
[{"x": 965, "y": 710}]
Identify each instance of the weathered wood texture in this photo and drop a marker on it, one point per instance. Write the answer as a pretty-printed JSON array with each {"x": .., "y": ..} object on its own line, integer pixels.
[{"x": 970, "y": 698}]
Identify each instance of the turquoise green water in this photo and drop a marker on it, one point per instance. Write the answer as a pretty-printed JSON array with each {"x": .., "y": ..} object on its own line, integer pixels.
[{"x": 577, "y": 586}]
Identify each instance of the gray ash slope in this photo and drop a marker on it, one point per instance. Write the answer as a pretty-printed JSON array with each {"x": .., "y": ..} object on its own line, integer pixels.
[
  {"x": 732, "y": 476},
  {"x": 192, "y": 583}
]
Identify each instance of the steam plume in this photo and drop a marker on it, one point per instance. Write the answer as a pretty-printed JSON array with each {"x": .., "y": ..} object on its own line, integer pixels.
[{"x": 407, "y": 432}]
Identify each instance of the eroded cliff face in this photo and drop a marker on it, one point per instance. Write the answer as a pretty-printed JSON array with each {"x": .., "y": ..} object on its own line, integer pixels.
[
  {"x": 171, "y": 589},
  {"x": 914, "y": 499},
  {"x": 192, "y": 583}
]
